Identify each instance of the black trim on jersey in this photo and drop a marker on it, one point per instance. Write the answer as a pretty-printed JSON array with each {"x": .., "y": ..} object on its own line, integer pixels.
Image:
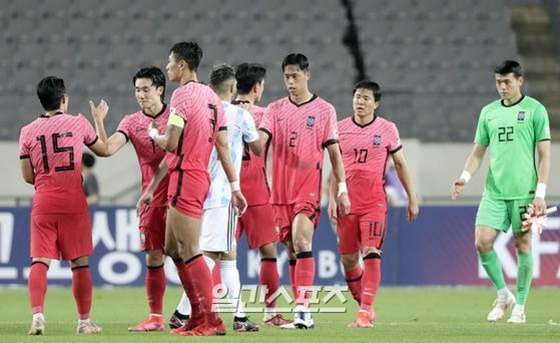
[
  {"x": 180, "y": 143},
  {"x": 222, "y": 128},
  {"x": 544, "y": 140},
  {"x": 80, "y": 267},
  {"x": 365, "y": 125},
  {"x": 266, "y": 131},
  {"x": 124, "y": 134},
  {"x": 329, "y": 142},
  {"x": 356, "y": 279},
  {"x": 303, "y": 103},
  {"x": 515, "y": 103},
  {"x": 179, "y": 185},
  {"x": 23, "y": 157},
  {"x": 371, "y": 255},
  {"x": 92, "y": 142},
  {"x": 43, "y": 115},
  {"x": 395, "y": 150},
  {"x": 157, "y": 115}
]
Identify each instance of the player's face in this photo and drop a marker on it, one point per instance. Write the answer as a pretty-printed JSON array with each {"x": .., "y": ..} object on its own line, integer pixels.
[
  {"x": 364, "y": 103},
  {"x": 508, "y": 85},
  {"x": 295, "y": 79},
  {"x": 146, "y": 93},
  {"x": 173, "y": 69}
]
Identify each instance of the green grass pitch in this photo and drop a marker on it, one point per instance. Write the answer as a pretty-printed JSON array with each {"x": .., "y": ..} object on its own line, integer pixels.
[{"x": 403, "y": 315}]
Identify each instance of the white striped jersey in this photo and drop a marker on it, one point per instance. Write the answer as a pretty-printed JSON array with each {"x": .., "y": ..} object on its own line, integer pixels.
[{"x": 240, "y": 128}]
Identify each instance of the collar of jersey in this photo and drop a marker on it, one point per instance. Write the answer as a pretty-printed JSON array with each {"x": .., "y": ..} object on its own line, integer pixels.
[
  {"x": 362, "y": 126},
  {"x": 515, "y": 103},
  {"x": 157, "y": 115},
  {"x": 303, "y": 103},
  {"x": 43, "y": 115}
]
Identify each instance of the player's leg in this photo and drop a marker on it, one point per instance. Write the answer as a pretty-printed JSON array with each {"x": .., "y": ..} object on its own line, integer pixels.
[
  {"x": 492, "y": 216},
  {"x": 82, "y": 288},
  {"x": 347, "y": 230},
  {"x": 195, "y": 275},
  {"x": 283, "y": 221},
  {"x": 152, "y": 232},
  {"x": 523, "y": 246}
]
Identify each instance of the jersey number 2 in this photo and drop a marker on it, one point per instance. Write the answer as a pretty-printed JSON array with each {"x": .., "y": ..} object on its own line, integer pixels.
[{"x": 57, "y": 149}]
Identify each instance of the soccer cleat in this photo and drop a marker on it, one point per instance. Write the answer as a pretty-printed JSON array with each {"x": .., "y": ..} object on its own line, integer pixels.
[
  {"x": 303, "y": 319},
  {"x": 363, "y": 320},
  {"x": 276, "y": 320},
  {"x": 517, "y": 318},
  {"x": 289, "y": 326},
  {"x": 177, "y": 320},
  {"x": 189, "y": 324},
  {"x": 245, "y": 326},
  {"x": 206, "y": 329},
  {"x": 148, "y": 325},
  {"x": 500, "y": 308},
  {"x": 88, "y": 327},
  {"x": 37, "y": 327}
]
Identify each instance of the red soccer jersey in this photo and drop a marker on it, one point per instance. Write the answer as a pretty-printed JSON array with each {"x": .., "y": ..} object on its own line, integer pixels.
[
  {"x": 54, "y": 145},
  {"x": 135, "y": 128},
  {"x": 365, "y": 150},
  {"x": 254, "y": 184},
  {"x": 204, "y": 116},
  {"x": 299, "y": 133}
]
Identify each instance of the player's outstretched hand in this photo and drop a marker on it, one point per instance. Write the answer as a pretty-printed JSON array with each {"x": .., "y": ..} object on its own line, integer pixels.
[
  {"x": 457, "y": 188},
  {"x": 412, "y": 210},
  {"x": 343, "y": 204},
  {"x": 99, "y": 112},
  {"x": 154, "y": 125},
  {"x": 539, "y": 206},
  {"x": 332, "y": 211},
  {"x": 143, "y": 203},
  {"x": 239, "y": 202}
]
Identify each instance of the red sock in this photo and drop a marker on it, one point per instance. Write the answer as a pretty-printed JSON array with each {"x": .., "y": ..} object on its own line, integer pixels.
[
  {"x": 268, "y": 277},
  {"x": 305, "y": 273},
  {"x": 199, "y": 283},
  {"x": 155, "y": 289},
  {"x": 82, "y": 288},
  {"x": 183, "y": 276},
  {"x": 354, "y": 281},
  {"x": 37, "y": 286},
  {"x": 370, "y": 280},
  {"x": 292, "y": 272}
]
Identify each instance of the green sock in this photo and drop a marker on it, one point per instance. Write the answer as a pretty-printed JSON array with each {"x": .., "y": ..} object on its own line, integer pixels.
[
  {"x": 524, "y": 276},
  {"x": 493, "y": 268}
]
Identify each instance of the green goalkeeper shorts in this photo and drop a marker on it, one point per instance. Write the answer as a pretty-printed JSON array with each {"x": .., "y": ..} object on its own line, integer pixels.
[{"x": 501, "y": 214}]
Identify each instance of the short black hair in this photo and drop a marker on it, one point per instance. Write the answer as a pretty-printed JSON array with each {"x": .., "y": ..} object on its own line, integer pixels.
[
  {"x": 298, "y": 59},
  {"x": 509, "y": 66},
  {"x": 372, "y": 86},
  {"x": 189, "y": 52},
  {"x": 88, "y": 160},
  {"x": 247, "y": 75},
  {"x": 50, "y": 92},
  {"x": 153, "y": 73},
  {"x": 221, "y": 73}
]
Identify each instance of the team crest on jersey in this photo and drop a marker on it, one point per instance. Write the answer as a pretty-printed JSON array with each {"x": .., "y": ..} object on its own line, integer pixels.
[
  {"x": 376, "y": 140},
  {"x": 310, "y": 121},
  {"x": 521, "y": 116}
]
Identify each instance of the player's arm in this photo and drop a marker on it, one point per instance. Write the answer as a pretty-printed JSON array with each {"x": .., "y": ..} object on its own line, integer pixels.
[
  {"x": 170, "y": 139},
  {"x": 99, "y": 113},
  {"x": 148, "y": 194},
  {"x": 260, "y": 143},
  {"x": 27, "y": 170},
  {"x": 543, "y": 170},
  {"x": 222, "y": 148},
  {"x": 332, "y": 210},
  {"x": 471, "y": 166},
  {"x": 401, "y": 167},
  {"x": 340, "y": 178}
]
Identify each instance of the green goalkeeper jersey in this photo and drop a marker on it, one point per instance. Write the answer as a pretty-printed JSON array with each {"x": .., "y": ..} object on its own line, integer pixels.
[{"x": 511, "y": 133}]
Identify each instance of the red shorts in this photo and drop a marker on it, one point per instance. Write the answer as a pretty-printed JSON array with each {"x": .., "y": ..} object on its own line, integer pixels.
[
  {"x": 188, "y": 191},
  {"x": 152, "y": 228},
  {"x": 285, "y": 215},
  {"x": 56, "y": 235},
  {"x": 258, "y": 224},
  {"x": 357, "y": 231}
]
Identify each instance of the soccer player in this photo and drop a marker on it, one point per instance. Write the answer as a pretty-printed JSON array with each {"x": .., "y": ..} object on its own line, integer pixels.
[
  {"x": 299, "y": 127},
  {"x": 219, "y": 219},
  {"x": 512, "y": 127},
  {"x": 196, "y": 124},
  {"x": 50, "y": 150},
  {"x": 366, "y": 142},
  {"x": 258, "y": 220},
  {"x": 149, "y": 89}
]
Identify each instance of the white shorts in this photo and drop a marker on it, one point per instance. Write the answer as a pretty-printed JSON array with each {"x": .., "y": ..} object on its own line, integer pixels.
[{"x": 217, "y": 233}]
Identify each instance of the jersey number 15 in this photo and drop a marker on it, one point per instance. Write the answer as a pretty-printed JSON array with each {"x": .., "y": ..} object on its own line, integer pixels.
[{"x": 57, "y": 150}]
